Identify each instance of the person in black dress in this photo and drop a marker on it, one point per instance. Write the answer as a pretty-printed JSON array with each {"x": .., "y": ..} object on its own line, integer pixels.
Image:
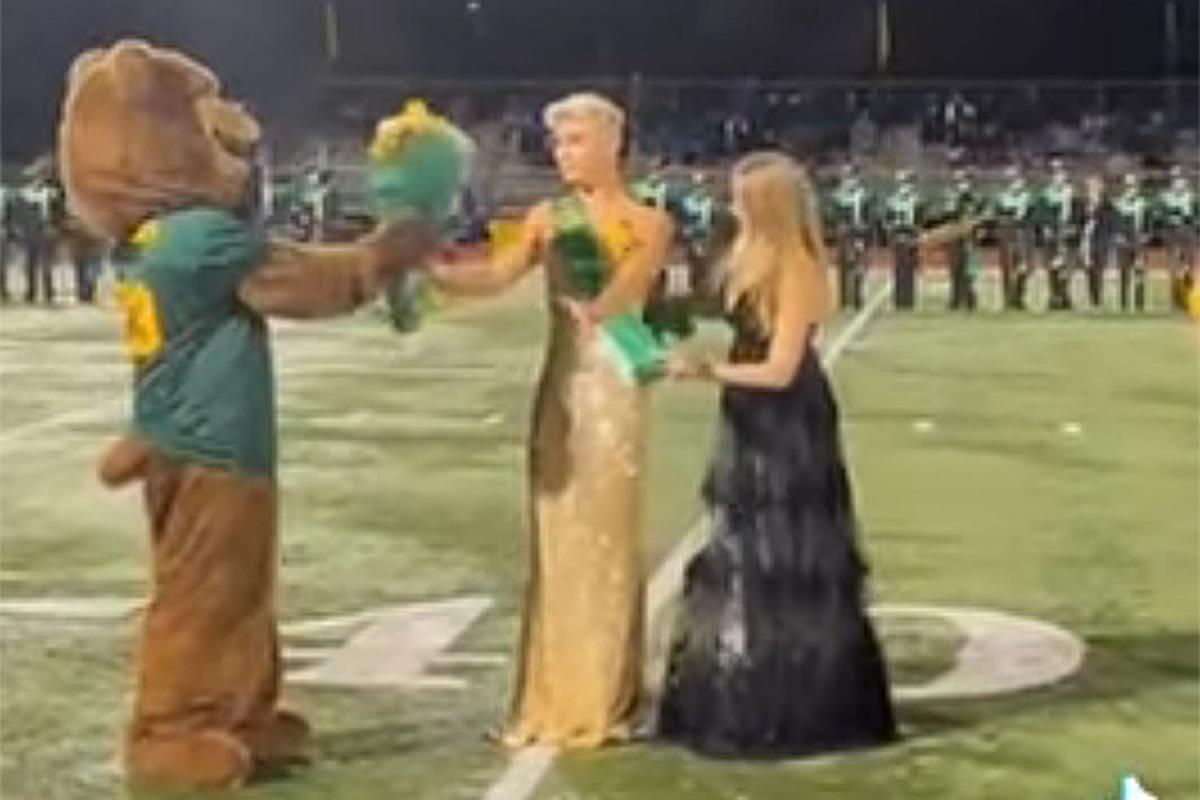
[{"x": 774, "y": 655}]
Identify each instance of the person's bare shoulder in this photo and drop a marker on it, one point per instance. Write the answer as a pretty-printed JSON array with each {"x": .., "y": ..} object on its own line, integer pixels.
[
  {"x": 539, "y": 215},
  {"x": 538, "y": 219},
  {"x": 650, "y": 224}
]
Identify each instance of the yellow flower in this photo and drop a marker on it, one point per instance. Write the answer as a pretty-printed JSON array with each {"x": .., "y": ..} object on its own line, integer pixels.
[
  {"x": 146, "y": 235},
  {"x": 394, "y": 134},
  {"x": 618, "y": 240}
]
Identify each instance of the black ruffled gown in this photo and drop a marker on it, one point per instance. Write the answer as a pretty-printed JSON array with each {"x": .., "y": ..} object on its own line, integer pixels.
[{"x": 775, "y": 655}]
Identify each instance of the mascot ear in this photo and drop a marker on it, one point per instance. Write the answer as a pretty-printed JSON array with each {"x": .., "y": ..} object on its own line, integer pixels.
[
  {"x": 133, "y": 64},
  {"x": 195, "y": 79},
  {"x": 229, "y": 124},
  {"x": 146, "y": 73},
  {"x": 83, "y": 63}
]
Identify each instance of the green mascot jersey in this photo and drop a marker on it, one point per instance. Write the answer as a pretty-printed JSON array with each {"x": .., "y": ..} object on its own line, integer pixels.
[{"x": 203, "y": 384}]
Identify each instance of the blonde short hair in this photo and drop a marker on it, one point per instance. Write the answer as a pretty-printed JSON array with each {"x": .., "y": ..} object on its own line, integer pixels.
[{"x": 584, "y": 105}]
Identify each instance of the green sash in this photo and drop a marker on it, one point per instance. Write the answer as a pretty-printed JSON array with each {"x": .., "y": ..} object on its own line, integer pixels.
[{"x": 587, "y": 260}]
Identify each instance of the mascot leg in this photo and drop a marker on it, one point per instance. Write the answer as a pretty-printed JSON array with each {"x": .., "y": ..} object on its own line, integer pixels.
[
  {"x": 208, "y": 662},
  {"x": 274, "y": 735}
]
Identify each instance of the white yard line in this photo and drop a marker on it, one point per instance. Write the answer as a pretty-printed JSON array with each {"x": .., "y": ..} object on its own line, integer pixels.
[
  {"x": 102, "y": 410},
  {"x": 524, "y": 773}
]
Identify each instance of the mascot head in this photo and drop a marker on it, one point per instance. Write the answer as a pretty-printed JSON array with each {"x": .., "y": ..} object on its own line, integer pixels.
[{"x": 145, "y": 130}]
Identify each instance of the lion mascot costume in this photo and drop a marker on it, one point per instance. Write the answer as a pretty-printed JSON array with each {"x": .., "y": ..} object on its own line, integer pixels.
[{"x": 156, "y": 161}]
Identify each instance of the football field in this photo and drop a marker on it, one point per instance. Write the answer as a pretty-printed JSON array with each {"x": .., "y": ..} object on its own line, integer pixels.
[{"x": 1041, "y": 467}]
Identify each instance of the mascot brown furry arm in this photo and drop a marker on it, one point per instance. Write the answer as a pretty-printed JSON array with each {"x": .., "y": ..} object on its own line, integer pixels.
[{"x": 156, "y": 160}]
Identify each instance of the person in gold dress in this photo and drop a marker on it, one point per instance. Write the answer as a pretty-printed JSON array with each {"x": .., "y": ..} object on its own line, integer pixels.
[{"x": 578, "y": 677}]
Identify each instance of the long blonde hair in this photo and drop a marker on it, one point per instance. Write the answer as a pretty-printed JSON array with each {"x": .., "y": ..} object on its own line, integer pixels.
[{"x": 779, "y": 228}]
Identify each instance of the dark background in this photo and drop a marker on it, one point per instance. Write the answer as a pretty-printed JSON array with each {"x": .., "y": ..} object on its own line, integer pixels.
[{"x": 273, "y": 52}]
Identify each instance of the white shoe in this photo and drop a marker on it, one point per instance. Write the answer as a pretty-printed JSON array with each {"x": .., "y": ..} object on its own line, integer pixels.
[{"x": 1132, "y": 790}]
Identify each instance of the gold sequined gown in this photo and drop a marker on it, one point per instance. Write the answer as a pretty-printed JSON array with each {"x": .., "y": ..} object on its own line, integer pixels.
[{"x": 578, "y": 679}]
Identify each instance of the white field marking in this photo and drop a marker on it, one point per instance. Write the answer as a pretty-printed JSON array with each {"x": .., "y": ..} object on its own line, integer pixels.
[
  {"x": 855, "y": 326},
  {"x": 1003, "y": 653},
  {"x": 110, "y": 407},
  {"x": 83, "y": 609},
  {"x": 98, "y": 411},
  {"x": 392, "y": 648},
  {"x": 524, "y": 773},
  {"x": 529, "y": 765},
  {"x": 389, "y": 647}
]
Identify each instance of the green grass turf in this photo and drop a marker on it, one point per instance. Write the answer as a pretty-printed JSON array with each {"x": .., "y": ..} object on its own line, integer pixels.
[
  {"x": 403, "y": 467},
  {"x": 996, "y": 506}
]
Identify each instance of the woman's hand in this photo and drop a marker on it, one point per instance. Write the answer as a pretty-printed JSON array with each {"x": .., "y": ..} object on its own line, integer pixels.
[
  {"x": 685, "y": 366},
  {"x": 680, "y": 367},
  {"x": 464, "y": 270},
  {"x": 442, "y": 268}
]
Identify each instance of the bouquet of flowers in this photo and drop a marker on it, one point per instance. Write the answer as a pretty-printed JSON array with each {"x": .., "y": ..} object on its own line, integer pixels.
[{"x": 418, "y": 164}]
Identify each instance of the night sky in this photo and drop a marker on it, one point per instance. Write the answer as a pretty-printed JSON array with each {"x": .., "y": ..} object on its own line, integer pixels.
[{"x": 271, "y": 52}]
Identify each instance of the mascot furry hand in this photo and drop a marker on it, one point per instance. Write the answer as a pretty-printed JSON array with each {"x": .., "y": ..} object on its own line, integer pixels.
[{"x": 155, "y": 159}]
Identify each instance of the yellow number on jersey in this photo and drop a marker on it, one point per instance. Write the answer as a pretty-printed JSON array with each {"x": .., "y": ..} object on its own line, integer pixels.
[{"x": 142, "y": 331}]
